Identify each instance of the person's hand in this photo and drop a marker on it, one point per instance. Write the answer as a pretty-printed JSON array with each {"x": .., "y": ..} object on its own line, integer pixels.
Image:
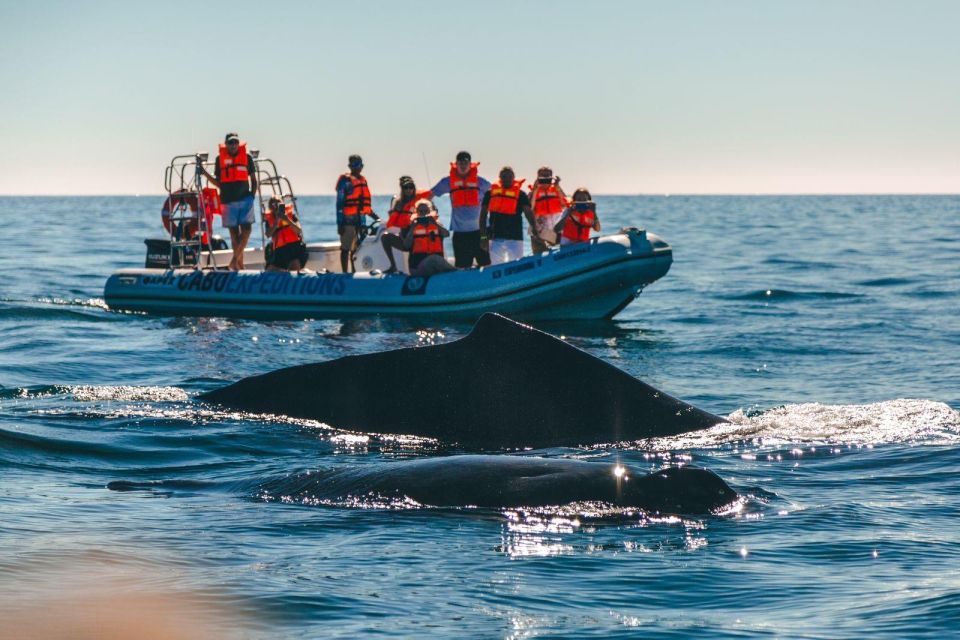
[{"x": 556, "y": 179}]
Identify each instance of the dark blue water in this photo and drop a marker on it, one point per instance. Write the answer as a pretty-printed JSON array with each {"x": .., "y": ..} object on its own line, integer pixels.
[{"x": 826, "y": 328}]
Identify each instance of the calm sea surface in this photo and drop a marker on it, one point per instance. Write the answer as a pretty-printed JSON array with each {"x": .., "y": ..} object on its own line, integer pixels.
[{"x": 827, "y": 328}]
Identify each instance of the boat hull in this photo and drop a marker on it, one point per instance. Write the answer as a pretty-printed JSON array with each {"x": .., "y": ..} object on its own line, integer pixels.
[{"x": 586, "y": 281}]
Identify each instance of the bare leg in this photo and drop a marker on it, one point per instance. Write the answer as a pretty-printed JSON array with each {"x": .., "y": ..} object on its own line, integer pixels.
[
  {"x": 245, "y": 230},
  {"x": 234, "y": 241},
  {"x": 344, "y": 259},
  {"x": 390, "y": 242}
]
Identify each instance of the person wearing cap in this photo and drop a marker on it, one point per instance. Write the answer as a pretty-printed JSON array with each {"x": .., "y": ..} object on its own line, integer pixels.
[
  {"x": 466, "y": 189},
  {"x": 401, "y": 210},
  {"x": 504, "y": 203},
  {"x": 354, "y": 201},
  {"x": 548, "y": 201},
  {"x": 286, "y": 250},
  {"x": 236, "y": 175},
  {"x": 423, "y": 238}
]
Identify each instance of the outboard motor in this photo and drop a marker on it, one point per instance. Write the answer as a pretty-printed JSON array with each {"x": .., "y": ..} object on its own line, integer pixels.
[{"x": 158, "y": 252}]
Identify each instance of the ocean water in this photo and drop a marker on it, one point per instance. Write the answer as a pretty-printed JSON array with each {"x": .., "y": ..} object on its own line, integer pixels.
[{"x": 825, "y": 327}]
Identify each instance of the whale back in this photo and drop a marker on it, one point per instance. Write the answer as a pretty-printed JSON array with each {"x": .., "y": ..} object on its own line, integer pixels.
[{"x": 504, "y": 385}]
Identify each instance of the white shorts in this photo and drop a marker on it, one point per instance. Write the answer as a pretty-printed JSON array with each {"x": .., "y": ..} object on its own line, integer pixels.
[{"x": 505, "y": 250}]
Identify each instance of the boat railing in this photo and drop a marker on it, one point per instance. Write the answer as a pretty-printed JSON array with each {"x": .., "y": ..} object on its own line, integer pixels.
[
  {"x": 272, "y": 184},
  {"x": 189, "y": 221}
]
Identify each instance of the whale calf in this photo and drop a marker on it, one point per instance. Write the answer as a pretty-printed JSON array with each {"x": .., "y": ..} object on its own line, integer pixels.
[
  {"x": 504, "y": 385},
  {"x": 511, "y": 481}
]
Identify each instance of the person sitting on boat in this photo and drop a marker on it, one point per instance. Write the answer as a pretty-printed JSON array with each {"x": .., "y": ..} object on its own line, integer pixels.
[
  {"x": 466, "y": 189},
  {"x": 505, "y": 202},
  {"x": 236, "y": 175},
  {"x": 286, "y": 251},
  {"x": 401, "y": 210},
  {"x": 424, "y": 240},
  {"x": 578, "y": 219},
  {"x": 548, "y": 202}
]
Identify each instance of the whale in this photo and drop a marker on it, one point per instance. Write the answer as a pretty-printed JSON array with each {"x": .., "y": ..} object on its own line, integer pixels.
[
  {"x": 489, "y": 481},
  {"x": 504, "y": 481},
  {"x": 504, "y": 385}
]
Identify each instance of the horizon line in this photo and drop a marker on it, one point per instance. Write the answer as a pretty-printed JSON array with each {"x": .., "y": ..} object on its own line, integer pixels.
[{"x": 620, "y": 194}]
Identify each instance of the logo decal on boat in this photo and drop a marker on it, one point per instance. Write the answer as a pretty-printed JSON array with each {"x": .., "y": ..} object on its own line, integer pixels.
[{"x": 414, "y": 286}]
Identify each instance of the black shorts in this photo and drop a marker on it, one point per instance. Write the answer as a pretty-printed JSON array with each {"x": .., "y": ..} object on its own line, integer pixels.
[
  {"x": 289, "y": 252},
  {"x": 466, "y": 250}
]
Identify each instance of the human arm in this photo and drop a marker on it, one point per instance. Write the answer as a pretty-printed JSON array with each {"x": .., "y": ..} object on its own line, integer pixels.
[
  {"x": 252, "y": 172},
  {"x": 523, "y": 201},
  {"x": 442, "y": 187},
  {"x": 596, "y": 222},
  {"x": 558, "y": 228},
  {"x": 484, "y": 207},
  {"x": 406, "y": 238}
]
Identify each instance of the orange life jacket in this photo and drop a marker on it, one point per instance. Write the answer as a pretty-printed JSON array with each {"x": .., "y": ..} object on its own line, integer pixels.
[
  {"x": 503, "y": 200},
  {"x": 359, "y": 201},
  {"x": 464, "y": 191},
  {"x": 426, "y": 238},
  {"x": 402, "y": 211},
  {"x": 234, "y": 168},
  {"x": 547, "y": 199},
  {"x": 578, "y": 224},
  {"x": 285, "y": 233}
]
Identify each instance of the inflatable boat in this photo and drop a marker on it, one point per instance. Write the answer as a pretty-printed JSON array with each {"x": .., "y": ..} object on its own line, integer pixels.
[
  {"x": 184, "y": 273},
  {"x": 585, "y": 281}
]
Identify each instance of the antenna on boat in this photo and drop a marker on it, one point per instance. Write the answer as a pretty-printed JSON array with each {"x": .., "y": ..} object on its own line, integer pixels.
[{"x": 425, "y": 168}]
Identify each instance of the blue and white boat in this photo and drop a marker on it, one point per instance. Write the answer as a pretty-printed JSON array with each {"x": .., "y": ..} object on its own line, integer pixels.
[
  {"x": 585, "y": 281},
  {"x": 184, "y": 274}
]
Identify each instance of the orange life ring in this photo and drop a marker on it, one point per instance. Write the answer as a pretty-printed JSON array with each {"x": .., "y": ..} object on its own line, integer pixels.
[{"x": 173, "y": 201}]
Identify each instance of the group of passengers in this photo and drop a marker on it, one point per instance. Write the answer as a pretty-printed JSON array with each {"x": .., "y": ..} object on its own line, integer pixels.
[{"x": 486, "y": 221}]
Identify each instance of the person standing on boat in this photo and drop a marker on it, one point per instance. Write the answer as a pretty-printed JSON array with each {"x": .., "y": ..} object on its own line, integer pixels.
[
  {"x": 401, "y": 210},
  {"x": 423, "y": 238},
  {"x": 236, "y": 176},
  {"x": 548, "y": 201},
  {"x": 354, "y": 201},
  {"x": 466, "y": 189},
  {"x": 578, "y": 219},
  {"x": 504, "y": 203},
  {"x": 287, "y": 250}
]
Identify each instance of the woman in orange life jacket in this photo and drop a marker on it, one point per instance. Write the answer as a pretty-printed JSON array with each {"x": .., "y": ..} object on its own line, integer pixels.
[
  {"x": 236, "y": 175},
  {"x": 424, "y": 240},
  {"x": 287, "y": 250},
  {"x": 401, "y": 210},
  {"x": 578, "y": 219},
  {"x": 505, "y": 201},
  {"x": 548, "y": 202}
]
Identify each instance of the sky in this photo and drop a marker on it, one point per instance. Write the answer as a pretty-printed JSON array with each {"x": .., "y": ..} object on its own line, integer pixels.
[{"x": 624, "y": 97}]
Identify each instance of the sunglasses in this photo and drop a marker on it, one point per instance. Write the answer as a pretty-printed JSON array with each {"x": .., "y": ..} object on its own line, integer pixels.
[{"x": 409, "y": 186}]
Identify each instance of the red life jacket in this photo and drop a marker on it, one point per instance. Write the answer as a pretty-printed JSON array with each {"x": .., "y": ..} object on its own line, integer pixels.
[
  {"x": 503, "y": 200},
  {"x": 359, "y": 201},
  {"x": 234, "y": 168},
  {"x": 547, "y": 199},
  {"x": 402, "y": 211},
  {"x": 464, "y": 191},
  {"x": 578, "y": 224},
  {"x": 285, "y": 233},
  {"x": 426, "y": 238}
]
